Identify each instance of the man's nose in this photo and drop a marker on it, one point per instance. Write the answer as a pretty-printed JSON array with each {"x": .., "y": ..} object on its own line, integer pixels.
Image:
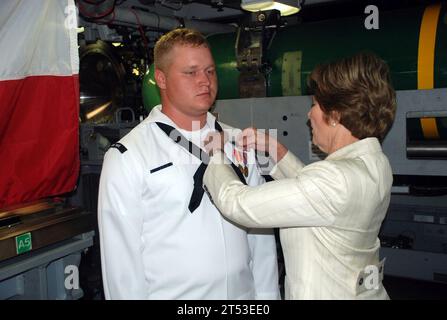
[{"x": 204, "y": 78}]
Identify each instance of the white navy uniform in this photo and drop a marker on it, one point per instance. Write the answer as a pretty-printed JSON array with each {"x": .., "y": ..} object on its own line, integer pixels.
[{"x": 153, "y": 247}]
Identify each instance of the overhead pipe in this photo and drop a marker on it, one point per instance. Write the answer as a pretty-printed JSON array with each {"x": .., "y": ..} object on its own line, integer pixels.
[{"x": 107, "y": 13}]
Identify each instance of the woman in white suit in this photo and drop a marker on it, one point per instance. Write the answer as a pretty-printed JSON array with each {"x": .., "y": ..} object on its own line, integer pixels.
[{"x": 329, "y": 212}]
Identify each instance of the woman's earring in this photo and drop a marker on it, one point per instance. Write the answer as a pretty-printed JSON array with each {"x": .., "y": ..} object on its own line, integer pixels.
[{"x": 333, "y": 124}]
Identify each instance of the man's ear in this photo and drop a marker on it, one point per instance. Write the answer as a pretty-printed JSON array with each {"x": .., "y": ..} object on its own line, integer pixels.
[{"x": 160, "y": 79}]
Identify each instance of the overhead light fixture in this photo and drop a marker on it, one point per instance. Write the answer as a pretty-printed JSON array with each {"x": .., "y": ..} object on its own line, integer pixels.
[{"x": 286, "y": 7}]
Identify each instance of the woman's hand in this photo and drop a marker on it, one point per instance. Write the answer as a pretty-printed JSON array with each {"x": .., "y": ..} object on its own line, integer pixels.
[
  {"x": 214, "y": 141},
  {"x": 259, "y": 140}
]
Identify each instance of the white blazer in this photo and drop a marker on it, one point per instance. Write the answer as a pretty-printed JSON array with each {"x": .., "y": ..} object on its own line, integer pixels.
[
  {"x": 329, "y": 212},
  {"x": 152, "y": 247}
]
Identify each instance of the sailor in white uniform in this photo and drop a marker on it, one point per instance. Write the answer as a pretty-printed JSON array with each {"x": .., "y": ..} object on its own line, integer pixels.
[{"x": 161, "y": 237}]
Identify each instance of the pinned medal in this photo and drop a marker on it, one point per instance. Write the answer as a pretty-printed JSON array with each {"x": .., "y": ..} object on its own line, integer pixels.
[
  {"x": 241, "y": 161},
  {"x": 245, "y": 170}
]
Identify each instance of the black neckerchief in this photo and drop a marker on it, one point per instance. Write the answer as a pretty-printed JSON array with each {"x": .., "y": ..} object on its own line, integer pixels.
[{"x": 178, "y": 138}]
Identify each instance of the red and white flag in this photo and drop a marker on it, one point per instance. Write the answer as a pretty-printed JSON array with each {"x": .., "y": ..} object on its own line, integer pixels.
[{"x": 39, "y": 99}]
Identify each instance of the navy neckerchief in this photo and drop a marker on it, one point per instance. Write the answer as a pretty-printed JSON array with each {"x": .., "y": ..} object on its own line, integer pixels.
[{"x": 177, "y": 137}]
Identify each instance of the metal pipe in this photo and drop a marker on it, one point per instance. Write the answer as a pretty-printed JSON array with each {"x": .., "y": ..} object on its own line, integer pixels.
[
  {"x": 154, "y": 20},
  {"x": 427, "y": 149}
]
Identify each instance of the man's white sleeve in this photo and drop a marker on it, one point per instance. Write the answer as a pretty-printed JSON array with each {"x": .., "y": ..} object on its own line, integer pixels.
[{"x": 120, "y": 228}]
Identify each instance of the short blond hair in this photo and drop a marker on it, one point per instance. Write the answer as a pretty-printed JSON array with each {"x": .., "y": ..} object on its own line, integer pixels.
[{"x": 183, "y": 37}]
